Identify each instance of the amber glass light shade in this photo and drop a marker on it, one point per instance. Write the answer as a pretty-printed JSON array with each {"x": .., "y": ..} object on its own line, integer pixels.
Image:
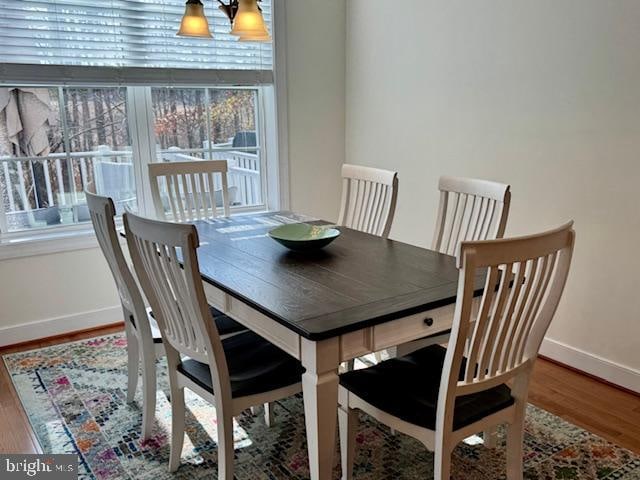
[
  {"x": 248, "y": 23},
  {"x": 194, "y": 22},
  {"x": 255, "y": 38}
]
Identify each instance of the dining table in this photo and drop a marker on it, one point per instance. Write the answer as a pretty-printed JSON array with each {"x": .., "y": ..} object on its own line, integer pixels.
[{"x": 358, "y": 295}]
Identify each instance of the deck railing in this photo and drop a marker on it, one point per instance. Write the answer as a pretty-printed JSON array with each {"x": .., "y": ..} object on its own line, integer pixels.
[
  {"x": 244, "y": 172},
  {"x": 35, "y": 186}
]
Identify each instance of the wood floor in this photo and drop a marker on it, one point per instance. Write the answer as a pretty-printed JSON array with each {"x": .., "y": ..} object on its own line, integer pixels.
[
  {"x": 612, "y": 413},
  {"x": 600, "y": 408}
]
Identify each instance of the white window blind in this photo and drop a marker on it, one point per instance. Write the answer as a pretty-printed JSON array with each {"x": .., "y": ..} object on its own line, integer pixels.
[{"x": 126, "y": 38}]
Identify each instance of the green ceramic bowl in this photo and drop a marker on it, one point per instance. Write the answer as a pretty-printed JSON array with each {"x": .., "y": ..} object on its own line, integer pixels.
[{"x": 304, "y": 237}]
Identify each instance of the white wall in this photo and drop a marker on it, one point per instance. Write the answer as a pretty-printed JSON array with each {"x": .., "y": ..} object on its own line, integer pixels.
[
  {"x": 50, "y": 294},
  {"x": 316, "y": 98},
  {"x": 47, "y": 295},
  {"x": 544, "y": 95}
]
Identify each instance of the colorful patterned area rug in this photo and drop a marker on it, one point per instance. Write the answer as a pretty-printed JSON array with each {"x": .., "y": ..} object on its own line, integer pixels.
[{"x": 74, "y": 395}]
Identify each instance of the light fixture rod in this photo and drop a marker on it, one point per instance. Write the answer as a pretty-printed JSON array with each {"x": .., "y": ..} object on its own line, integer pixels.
[{"x": 231, "y": 9}]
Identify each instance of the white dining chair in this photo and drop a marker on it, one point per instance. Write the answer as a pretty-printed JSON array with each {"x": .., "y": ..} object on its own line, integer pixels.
[
  {"x": 469, "y": 209},
  {"x": 187, "y": 189},
  {"x": 441, "y": 396},
  {"x": 369, "y": 197},
  {"x": 232, "y": 374},
  {"x": 143, "y": 337},
  {"x": 144, "y": 341}
]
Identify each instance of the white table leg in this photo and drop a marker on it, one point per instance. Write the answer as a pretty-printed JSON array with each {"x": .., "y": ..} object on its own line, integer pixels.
[{"x": 320, "y": 389}]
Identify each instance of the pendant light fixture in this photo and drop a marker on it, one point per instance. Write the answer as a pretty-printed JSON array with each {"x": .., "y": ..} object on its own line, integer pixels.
[
  {"x": 249, "y": 24},
  {"x": 245, "y": 16},
  {"x": 194, "y": 22}
]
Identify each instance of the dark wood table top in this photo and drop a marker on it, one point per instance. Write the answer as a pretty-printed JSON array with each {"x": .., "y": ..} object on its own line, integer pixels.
[{"x": 357, "y": 281}]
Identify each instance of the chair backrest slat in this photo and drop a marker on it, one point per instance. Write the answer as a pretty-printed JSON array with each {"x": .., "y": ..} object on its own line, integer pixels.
[
  {"x": 525, "y": 279},
  {"x": 487, "y": 361},
  {"x": 542, "y": 282},
  {"x": 507, "y": 330},
  {"x": 189, "y": 188},
  {"x": 476, "y": 340},
  {"x": 147, "y": 253},
  {"x": 469, "y": 209},
  {"x": 369, "y": 197},
  {"x": 212, "y": 192},
  {"x": 375, "y": 207}
]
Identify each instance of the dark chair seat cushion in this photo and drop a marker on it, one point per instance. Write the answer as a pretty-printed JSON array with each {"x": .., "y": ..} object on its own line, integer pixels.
[
  {"x": 255, "y": 366},
  {"x": 408, "y": 387},
  {"x": 226, "y": 325}
]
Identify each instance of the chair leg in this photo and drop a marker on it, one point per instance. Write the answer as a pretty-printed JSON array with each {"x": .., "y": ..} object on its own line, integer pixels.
[
  {"x": 133, "y": 362},
  {"x": 225, "y": 446},
  {"x": 442, "y": 459},
  {"x": 515, "y": 440},
  {"x": 490, "y": 437},
  {"x": 348, "y": 423},
  {"x": 148, "y": 394},
  {"x": 268, "y": 414},
  {"x": 177, "y": 427},
  {"x": 442, "y": 466}
]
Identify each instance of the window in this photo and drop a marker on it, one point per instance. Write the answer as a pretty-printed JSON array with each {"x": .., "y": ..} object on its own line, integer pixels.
[
  {"x": 54, "y": 143},
  {"x": 91, "y": 92},
  {"x": 76, "y": 138},
  {"x": 213, "y": 124}
]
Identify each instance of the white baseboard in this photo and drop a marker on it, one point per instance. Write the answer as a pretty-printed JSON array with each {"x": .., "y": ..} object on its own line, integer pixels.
[
  {"x": 613, "y": 372},
  {"x": 59, "y": 325}
]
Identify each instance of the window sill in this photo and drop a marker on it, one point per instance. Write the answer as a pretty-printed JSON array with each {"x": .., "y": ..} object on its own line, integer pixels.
[
  {"x": 65, "y": 239},
  {"x": 47, "y": 242}
]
